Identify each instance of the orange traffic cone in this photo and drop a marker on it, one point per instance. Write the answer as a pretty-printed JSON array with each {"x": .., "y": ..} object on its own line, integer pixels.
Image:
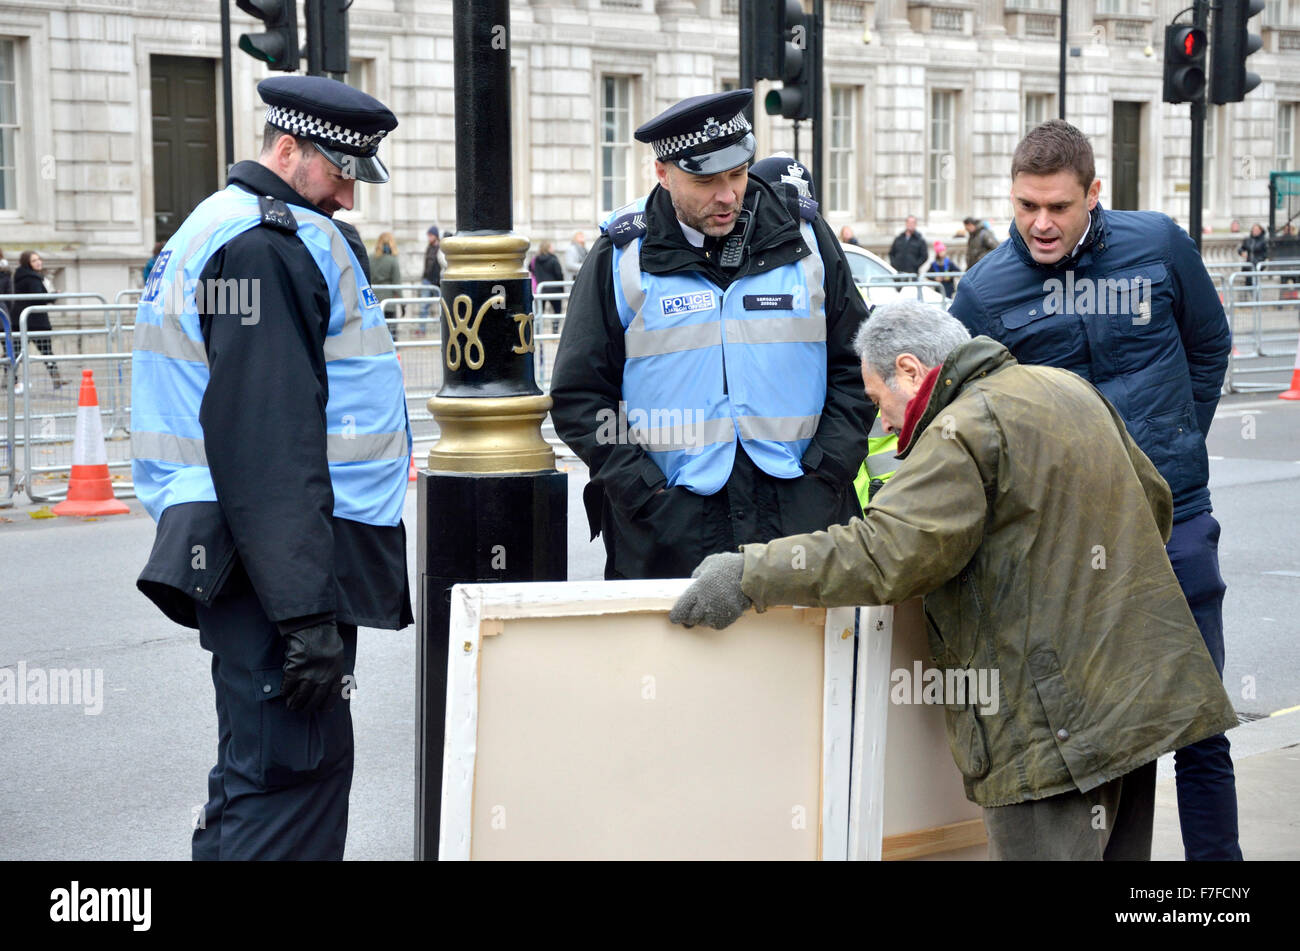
[
  {"x": 1294, "y": 392},
  {"x": 415, "y": 473},
  {"x": 90, "y": 491}
]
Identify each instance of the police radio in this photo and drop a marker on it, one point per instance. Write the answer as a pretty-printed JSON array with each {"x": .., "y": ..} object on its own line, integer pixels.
[{"x": 733, "y": 248}]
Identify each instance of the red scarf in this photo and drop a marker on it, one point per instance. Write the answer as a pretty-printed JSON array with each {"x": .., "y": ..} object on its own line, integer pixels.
[{"x": 916, "y": 407}]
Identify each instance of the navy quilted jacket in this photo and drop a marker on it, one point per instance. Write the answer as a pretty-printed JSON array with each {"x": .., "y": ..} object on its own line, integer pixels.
[{"x": 1135, "y": 313}]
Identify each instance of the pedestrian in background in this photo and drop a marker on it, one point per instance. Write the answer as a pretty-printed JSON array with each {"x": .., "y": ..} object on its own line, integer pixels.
[
  {"x": 1254, "y": 249},
  {"x": 574, "y": 255},
  {"x": 980, "y": 240},
  {"x": 7, "y": 330},
  {"x": 384, "y": 269},
  {"x": 1160, "y": 360},
  {"x": 30, "y": 279},
  {"x": 545, "y": 267},
  {"x": 907, "y": 253},
  {"x": 847, "y": 236},
  {"x": 942, "y": 267},
  {"x": 434, "y": 262}
]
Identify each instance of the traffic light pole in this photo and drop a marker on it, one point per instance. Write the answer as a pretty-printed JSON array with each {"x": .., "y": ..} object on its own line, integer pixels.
[
  {"x": 1200, "y": 19},
  {"x": 818, "y": 50},
  {"x": 227, "y": 85}
]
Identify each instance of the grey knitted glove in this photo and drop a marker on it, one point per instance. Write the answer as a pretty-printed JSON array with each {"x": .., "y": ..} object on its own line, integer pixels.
[{"x": 715, "y": 600}]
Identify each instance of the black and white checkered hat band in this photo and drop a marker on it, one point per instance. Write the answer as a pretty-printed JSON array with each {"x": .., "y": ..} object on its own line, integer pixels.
[
  {"x": 665, "y": 148},
  {"x": 328, "y": 133}
]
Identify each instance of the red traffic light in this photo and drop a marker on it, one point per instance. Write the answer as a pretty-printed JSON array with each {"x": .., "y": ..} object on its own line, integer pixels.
[{"x": 1191, "y": 42}]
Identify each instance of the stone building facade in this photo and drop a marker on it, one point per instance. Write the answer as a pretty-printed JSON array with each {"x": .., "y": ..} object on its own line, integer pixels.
[{"x": 110, "y": 114}]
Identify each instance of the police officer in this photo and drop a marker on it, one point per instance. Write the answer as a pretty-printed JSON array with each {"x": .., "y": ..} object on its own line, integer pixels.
[
  {"x": 270, "y": 442},
  {"x": 706, "y": 373},
  {"x": 786, "y": 173}
]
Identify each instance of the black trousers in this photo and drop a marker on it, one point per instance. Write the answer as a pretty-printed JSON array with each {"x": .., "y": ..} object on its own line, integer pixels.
[{"x": 279, "y": 789}]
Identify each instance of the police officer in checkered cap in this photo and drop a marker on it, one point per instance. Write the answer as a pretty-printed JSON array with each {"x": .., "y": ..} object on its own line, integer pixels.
[
  {"x": 343, "y": 124},
  {"x": 714, "y": 321},
  {"x": 270, "y": 443}
]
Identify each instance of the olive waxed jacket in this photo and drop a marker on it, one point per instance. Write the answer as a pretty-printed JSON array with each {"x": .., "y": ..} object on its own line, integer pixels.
[{"x": 1035, "y": 529}]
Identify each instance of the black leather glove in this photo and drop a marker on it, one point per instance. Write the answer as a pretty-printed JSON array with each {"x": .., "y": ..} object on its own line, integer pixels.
[{"x": 314, "y": 659}]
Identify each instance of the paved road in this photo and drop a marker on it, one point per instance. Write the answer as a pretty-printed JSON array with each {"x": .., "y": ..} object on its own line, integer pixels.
[{"x": 123, "y": 784}]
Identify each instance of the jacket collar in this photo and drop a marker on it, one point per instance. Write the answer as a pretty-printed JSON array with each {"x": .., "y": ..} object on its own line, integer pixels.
[
  {"x": 970, "y": 361},
  {"x": 257, "y": 178},
  {"x": 1096, "y": 241},
  {"x": 666, "y": 249}
]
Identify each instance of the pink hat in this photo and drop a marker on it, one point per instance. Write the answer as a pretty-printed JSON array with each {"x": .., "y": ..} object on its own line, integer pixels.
[{"x": 940, "y": 248}]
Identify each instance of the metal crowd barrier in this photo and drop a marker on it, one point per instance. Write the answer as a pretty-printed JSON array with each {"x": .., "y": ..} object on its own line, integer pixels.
[
  {"x": 547, "y": 343},
  {"x": 49, "y": 409},
  {"x": 901, "y": 282},
  {"x": 1263, "y": 320},
  {"x": 416, "y": 326},
  {"x": 10, "y": 377}
]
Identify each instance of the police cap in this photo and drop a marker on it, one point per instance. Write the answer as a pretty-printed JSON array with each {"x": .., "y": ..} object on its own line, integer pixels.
[
  {"x": 784, "y": 168},
  {"x": 344, "y": 124},
  {"x": 703, "y": 135}
]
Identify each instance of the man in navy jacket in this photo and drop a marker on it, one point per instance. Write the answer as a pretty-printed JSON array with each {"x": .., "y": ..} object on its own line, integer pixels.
[{"x": 1123, "y": 299}]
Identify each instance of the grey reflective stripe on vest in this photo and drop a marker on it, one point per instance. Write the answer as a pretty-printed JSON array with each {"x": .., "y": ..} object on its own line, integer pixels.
[
  {"x": 359, "y": 447},
  {"x": 352, "y": 340},
  {"x": 778, "y": 330},
  {"x": 778, "y": 428},
  {"x": 629, "y": 275},
  {"x": 684, "y": 437},
  {"x": 814, "y": 273},
  {"x": 363, "y": 447},
  {"x": 647, "y": 343},
  {"x": 168, "y": 447},
  {"x": 882, "y": 463},
  {"x": 878, "y": 427},
  {"x": 169, "y": 340}
]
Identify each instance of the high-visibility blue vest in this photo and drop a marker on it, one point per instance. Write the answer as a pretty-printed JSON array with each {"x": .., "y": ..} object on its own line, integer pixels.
[
  {"x": 705, "y": 367},
  {"x": 368, "y": 435}
]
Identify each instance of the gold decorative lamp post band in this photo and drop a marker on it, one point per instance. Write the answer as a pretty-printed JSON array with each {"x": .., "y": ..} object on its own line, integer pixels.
[{"x": 489, "y": 410}]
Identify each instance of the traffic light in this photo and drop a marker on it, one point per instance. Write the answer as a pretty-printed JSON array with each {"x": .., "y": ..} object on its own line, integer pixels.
[
  {"x": 1229, "y": 81},
  {"x": 1184, "y": 63},
  {"x": 327, "y": 36},
  {"x": 278, "y": 46},
  {"x": 762, "y": 33},
  {"x": 794, "y": 100}
]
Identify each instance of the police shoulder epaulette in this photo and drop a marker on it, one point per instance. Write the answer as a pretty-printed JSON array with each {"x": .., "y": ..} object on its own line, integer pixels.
[
  {"x": 626, "y": 228},
  {"x": 807, "y": 208},
  {"x": 277, "y": 214}
]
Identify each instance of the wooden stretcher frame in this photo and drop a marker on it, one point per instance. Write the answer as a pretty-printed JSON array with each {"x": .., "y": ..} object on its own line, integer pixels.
[
  {"x": 872, "y": 708},
  {"x": 479, "y": 611}
]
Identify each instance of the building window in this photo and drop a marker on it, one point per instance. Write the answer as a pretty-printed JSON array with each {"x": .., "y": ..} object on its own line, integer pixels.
[
  {"x": 1039, "y": 107},
  {"x": 941, "y": 162},
  {"x": 839, "y": 194},
  {"x": 1281, "y": 13},
  {"x": 615, "y": 141},
  {"x": 8, "y": 127},
  {"x": 1285, "y": 160},
  {"x": 1117, "y": 7}
]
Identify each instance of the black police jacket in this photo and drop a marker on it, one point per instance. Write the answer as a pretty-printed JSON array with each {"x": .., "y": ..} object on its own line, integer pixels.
[
  {"x": 264, "y": 433},
  {"x": 653, "y": 534}
]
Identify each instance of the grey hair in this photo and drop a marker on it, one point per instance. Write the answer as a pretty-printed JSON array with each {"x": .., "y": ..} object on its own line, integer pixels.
[{"x": 926, "y": 331}]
